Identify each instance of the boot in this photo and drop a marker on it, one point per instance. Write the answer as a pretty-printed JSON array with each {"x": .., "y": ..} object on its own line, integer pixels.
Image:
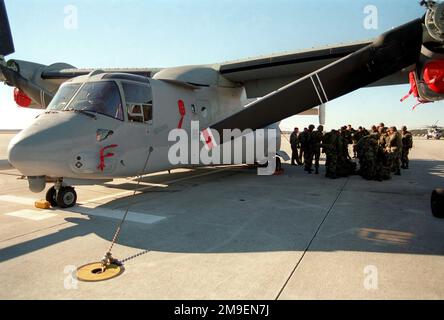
[
  {"x": 398, "y": 172},
  {"x": 316, "y": 171}
]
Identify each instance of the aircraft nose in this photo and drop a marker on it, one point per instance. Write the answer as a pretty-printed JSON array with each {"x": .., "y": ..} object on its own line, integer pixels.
[
  {"x": 16, "y": 153},
  {"x": 34, "y": 151},
  {"x": 24, "y": 156},
  {"x": 18, "y": 156},
  {"x": 57, "y": 145}
]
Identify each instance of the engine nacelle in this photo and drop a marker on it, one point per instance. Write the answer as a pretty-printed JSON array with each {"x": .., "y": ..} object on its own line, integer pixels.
[
  {"x": 433, "y": 74},
  {"x": 429, "y": 75},
  {"x": 27, "y": 77},
  {"x": 24, "y": 101},
  {"x": 21, "y": 99},
  {"x": 427, "y": 78},
  {"x": 430, "y": 80}
]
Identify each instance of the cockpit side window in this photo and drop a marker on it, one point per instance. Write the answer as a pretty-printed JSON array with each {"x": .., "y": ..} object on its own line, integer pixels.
[{"x": 139, "y": 102}]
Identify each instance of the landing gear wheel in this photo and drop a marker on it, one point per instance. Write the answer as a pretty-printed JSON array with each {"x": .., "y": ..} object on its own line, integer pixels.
[
  {"x": 51, "y": 196},
  {"x": 263, "y": 165},
  {"x": 437, "y": 203},
  {"x": 66, "y": 197}
]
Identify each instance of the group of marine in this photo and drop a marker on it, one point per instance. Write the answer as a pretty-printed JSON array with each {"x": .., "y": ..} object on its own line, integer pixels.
[{"x": 381, "y": 151}]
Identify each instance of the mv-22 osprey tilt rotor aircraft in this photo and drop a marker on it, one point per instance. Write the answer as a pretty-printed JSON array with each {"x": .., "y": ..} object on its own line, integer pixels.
[{"x": 104, "y": 124}]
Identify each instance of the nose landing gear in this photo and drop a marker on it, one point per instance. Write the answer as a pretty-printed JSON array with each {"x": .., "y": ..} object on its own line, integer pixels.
[{"x": 61, "y": 196}]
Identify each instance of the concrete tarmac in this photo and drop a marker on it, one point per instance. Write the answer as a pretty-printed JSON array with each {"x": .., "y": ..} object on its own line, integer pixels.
[{"x": 227, "y": 233}]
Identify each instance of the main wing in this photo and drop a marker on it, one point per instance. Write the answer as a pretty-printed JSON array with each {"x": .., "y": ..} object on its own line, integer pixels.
[
  {"x": 263, "y": 75},
  {"x": 386, "y": 56}
]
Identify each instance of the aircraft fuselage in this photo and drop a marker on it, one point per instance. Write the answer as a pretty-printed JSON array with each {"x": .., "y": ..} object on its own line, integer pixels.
[{"x": 106, "y": 126}]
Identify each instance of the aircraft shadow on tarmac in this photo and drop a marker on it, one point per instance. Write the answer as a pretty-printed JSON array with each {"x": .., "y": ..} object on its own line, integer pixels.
[{"x": 391, "y": 216}]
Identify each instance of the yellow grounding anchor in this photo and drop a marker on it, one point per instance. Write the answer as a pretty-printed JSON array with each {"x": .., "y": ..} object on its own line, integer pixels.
[{"x": 95, "y": 272}]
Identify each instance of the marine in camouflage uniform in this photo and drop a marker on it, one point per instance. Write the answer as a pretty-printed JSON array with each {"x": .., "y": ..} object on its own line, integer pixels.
[
  {"x": 394, "y": 150},
  {"x": 407, "y": 144},
  {"x": 375, "y": 132},
  {"x": 383, "y": 163},
  {"x": 345, "y": 166},
  {"x": 303, "y": 140},
  {"x": 308, "y": 149},
  {"x": 357, "y": 135},
  {"x": 330, "y": 148},
  {"x": 315, "y": 144},
  {"x": 346, "y": 139},
  {"x": 295, "y": 144},
  {"x": 367, "y": 149},
  {"x": 383, "y": 137}
]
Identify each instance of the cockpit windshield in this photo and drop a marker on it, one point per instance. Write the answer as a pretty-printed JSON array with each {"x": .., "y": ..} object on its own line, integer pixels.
[
  {"x": 99, "y": 97},
  {"x": 63, "y": 96}
]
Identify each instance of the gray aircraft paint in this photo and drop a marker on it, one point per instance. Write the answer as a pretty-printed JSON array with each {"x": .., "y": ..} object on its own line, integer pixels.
[{"x": 45, "y": 140}]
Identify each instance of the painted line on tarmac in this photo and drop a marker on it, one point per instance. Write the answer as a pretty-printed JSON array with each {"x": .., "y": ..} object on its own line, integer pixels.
[
  {"x": 36, "y": 215},
  {"x": 18, "y": 200},
  {"x": 133, "y": 216}
]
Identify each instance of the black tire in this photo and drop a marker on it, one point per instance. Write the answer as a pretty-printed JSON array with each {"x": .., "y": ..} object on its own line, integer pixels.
[
  {"x": 437, "y": 203},
  {"x": 264, "y": 165},
  {"x": 67, "y": 197},
  {"x": 278, "y": 164},
  {"x": 51, "y": 196}
]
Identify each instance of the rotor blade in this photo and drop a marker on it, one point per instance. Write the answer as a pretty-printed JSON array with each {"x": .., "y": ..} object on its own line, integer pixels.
[
  {"x": 6, "y": 41},
  {"x": 391, "y": 52}
]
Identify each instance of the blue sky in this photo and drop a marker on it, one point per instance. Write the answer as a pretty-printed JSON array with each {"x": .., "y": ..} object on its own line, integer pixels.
[{"x": 162, "y": 33}]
